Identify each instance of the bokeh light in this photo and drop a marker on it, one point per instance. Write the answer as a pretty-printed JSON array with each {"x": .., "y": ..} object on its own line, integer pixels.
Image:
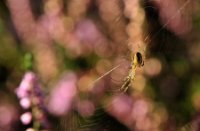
[{"x": 63, "y": 65}]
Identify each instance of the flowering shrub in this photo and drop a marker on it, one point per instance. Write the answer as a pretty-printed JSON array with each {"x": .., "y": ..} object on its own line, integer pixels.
[{"x": 63, "y": 63}]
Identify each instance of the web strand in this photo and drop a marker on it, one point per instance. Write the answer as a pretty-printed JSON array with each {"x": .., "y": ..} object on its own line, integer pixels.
[{"x": 168, "y": 21}]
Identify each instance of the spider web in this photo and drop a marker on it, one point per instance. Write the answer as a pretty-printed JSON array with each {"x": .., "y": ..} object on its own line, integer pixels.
[{"x": 101, "y": 120}]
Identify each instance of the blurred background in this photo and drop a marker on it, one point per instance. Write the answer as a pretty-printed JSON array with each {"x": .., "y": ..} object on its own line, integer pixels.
[{"x": 56, "y": 58}]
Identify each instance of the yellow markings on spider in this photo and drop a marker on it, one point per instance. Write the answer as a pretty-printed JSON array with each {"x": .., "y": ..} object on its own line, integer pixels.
[{"x": 137, "y": 61}]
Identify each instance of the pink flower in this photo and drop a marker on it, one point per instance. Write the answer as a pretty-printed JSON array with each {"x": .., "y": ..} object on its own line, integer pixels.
[
  {"x": 8, "y": 115},
  {"x": 120, "y": 107},
  {"x": 140, "y": 109},
  {"x": 25, "y": 103},
  {"x": 86, "y": 108},
  {"x": 26, "y": 85},
  {"x": 87, "y": 31},
  {"x": 62, "y": 95},
  {"x": 26, "y": 118}
]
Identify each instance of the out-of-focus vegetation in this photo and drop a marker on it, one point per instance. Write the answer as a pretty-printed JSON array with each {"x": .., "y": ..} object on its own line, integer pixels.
[{"x": 55, "y": 55}]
